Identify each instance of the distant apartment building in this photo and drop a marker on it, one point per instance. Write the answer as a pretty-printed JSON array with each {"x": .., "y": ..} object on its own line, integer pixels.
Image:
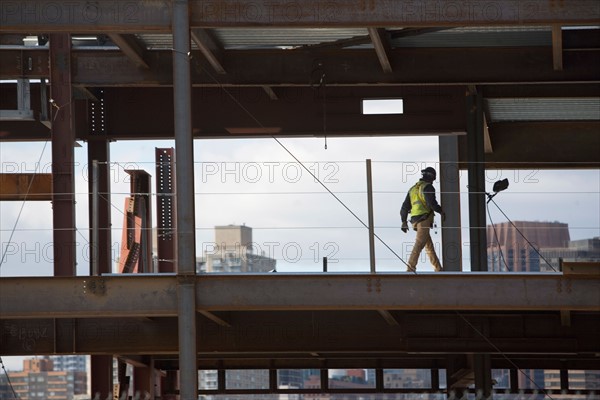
[
  {"x": 578, "y": 380},
  {"x": 509, "y": 251},
  {"x": 238, "y": 379},
  {"x": 233, "y": 251},
  {"x": 576, "y": 250},
  {"x": 406, "y": 378},
  {"x": 39, "y": 380},
  {"x": 69, "y": 363},
  {"x": 508, "y": 248}
]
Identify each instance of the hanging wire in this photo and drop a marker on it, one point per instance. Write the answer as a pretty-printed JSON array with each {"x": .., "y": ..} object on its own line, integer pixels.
[
  {"x": 317, "y": 82},
  {"x": 23, "y": 203},
  {"x": 15, "y": 395}
]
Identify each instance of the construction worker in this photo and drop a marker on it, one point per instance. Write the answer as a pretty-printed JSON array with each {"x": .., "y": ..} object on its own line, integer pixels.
[{"x": 420, "y": 202}]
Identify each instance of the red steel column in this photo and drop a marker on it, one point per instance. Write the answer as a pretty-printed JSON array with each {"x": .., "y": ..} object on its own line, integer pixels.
[{"x": 63, "y": 139}]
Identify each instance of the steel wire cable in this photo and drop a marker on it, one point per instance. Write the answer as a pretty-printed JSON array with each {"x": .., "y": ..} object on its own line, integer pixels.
[{"x": 15, "y": 395}]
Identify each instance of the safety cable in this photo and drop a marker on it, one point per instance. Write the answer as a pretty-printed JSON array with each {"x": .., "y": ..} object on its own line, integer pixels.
[
  {"x": 23, "y": 204},
  {"x": 15, "y": 395}
]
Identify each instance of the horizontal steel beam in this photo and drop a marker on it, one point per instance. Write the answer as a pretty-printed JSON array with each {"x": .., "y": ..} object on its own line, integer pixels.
[
  {"x": 558, "y": 144},
  {"x": 70, "y": 297},
  {"x": 151, "y": 296},
  {"x": 447, "y": 291},
  {"x": 412, "y": 66},
  {"x": 313, "y": 334},
  {"x": 298, "y": 112},
  {"x": 81, "y": 16},
  {"x": 25, "y": 186}
]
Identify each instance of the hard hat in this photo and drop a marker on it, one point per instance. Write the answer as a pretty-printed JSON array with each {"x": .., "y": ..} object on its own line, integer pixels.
[{"x": 430, "y": 172}]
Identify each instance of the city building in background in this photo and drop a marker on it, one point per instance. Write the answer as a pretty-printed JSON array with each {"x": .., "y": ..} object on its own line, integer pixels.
[
  {"x": 39, "y": 380},
  {"x": 576, "y": 250},
  {"x": 509, "y": 250},
  {"x": 73, "y": 363},
  {"x": 233, "y": 251}
]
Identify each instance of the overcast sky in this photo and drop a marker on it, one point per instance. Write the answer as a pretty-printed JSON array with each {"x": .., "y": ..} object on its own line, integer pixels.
[{"x": 294, "y": 220}]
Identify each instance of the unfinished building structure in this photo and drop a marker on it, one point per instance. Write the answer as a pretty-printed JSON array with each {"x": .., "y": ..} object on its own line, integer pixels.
[{"x": 503, "y": 83}]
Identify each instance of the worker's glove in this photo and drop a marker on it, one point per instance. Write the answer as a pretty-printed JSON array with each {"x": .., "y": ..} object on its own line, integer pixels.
[{"x": 404, "y": 227}]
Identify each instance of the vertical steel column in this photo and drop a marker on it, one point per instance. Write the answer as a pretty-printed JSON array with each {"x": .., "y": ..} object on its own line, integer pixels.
[
  {"x": 94, "y": 217},
  {"x": 324, "y": 373},
  {"x": 370, "y": 210},
  {"x": 273, "y": 380},
  {"x": 483, "y": 375},
  {"x": 379, "y": 380},
  {"x": 143, "y": 379},
  {"x": 165, "y": 209},
  {"x": 450, "y": 198},
  {"x": 476, "y": 169},
  {"x": 122, "y": 377},
  {"x": 514, "y": 380},
  {"x": 170, "y": 386},
  {"x": 63, "y": 140},
  {"x": 435, "y": 378},
  {"x": 101, "y": 365},
  {"x": 140, "y": 187},
  {"x": 184, "y": 170},
  {"x": 564, "y": 378},
  {"x": 102, "y": 375},
  {"x": 99, "y": 150},
  {"x": 455, "y": 365}
]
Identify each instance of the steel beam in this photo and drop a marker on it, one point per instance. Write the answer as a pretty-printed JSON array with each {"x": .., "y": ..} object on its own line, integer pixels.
[
  {"x": 476, "y": 178},
  {"x": 101, "y": 368},
  {"x": 140, "y": 189},
  {"x": 143, "y": 16},
  {"x": 99, "y": 150},
  {"x": 131, "y": 48},
  {"x": 89, "y": 296},
  {"x": 381, "y": 42},
  {"x": 343, "y": 67},
  {"x": 25, "y": 186},
  {"x": 428, "y": 111},
  {"x": 530, "y": 339},
  {"x": 165, "y": 208},
  {"x": 155, "y": 295},
  {"x": 347, "y": 67},
  {"x": 578, "y": 143},
  {"x": 210, "y": 49},
  {"x": 184, "y": 200},
  {"x": 63, "y": 141},
  {"x": 557, "y": 47},
  {"x": 450, "y": 199}
]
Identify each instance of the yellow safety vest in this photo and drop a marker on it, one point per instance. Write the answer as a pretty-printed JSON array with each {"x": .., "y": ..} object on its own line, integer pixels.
[{"x": 417, "y": 199}]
